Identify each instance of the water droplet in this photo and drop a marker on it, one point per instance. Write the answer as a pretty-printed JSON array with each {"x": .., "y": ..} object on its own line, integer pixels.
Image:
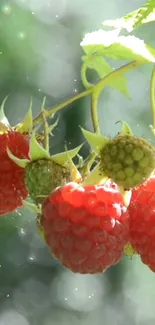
[
  {"x": 32, "y": 12},
  {"x": 6, "y": 9},
  {"x": 56, "y": 16},
  {"x": 22, "y": 232},
  {"x": 21, "y": 35},
  {"x": 75, "y": 90},
  {"x": 1, "y": 52},
  {"x": 8, "y": 295},
  {"x": 18, "y": 213}
]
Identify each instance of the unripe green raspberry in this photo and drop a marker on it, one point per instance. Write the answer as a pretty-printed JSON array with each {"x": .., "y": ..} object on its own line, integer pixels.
[
  {"x": 43, "y": 176},
  {"x": 128, "y": 160}
]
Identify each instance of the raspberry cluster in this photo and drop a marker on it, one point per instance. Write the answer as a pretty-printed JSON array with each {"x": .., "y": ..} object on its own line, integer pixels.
[{"x": 88, "y": 228}]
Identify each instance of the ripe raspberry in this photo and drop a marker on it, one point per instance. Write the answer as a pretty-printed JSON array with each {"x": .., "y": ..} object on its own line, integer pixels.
[
  {"x": 128, "y": 160},
  {"x": 12, "y": 187},
  {"x": 142, "y": 222},
  {"x": 86, "y": 227},
  {"x": 43, "y": 176}
]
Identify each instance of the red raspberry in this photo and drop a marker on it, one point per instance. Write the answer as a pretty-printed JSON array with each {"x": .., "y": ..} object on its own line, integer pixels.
[
  {"x": 12, "y": 187},
  {"x": 142, "y": 222},
  {"x": 86, "y": 227}
]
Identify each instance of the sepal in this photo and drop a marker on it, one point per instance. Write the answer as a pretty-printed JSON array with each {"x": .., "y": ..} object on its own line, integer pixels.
[
  {"x": 95, "y": 177},
  {"x": 95, "y": 141},
  {"x": 4, "y": 123},
  {"x": 20, "y": 162},
  {"x": 125, "y": 128},
  {"x": 36, "y": 150},
  {"x": 26, "y": 126},
  {"x": 63, "y": 157}
]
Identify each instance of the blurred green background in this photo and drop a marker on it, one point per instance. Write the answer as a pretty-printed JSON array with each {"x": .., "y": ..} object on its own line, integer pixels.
[{"x": 40, "y": 55}]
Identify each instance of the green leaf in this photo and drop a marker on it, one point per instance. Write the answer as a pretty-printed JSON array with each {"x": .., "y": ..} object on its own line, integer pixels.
[
  {"x": 134, "y": 19},
  {"x": 63, "y": 157},
  {"x": 125, "y": 128},
  {"x": 150, "y": 17},
  {"x": 144, "y": 12},
  {"x": 95, "y": 141},
  {"x": 125, "y": 22},
  {"x": 116, "y": 47},
  {"x": 103, "y": 68}
]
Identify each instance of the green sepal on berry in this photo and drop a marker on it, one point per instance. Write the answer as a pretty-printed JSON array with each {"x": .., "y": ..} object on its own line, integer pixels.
[
  {"x": 4, "y": 123},
  {"x": 43, "y": 173},
  {"x": 125, "y": 128},
  {"x": 94, "y": 140},
  {"x": 26, "y": 126},
  {"x": 129, "y": 251}
]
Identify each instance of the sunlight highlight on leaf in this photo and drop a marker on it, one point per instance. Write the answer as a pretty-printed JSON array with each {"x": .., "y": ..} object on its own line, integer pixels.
[
  {"x": 134, "y": 19},
  {"x": 143, "y": 12},
  {"x": 116, "y": 47}
]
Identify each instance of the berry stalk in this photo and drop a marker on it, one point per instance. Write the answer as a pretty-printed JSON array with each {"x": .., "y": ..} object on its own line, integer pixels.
[
  {"x": 58, "y": 107},
  {"x": 94, "y": 111},
  {"x": 46, "y": 135}
]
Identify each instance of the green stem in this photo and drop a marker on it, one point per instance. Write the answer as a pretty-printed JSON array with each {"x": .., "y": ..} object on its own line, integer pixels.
[
  {"x": 57, "y": 108},
  {"x": 152, "y": 96},
  {"x": 94, "y": 110},
  {"x": 85, "y": 82},
  {"x": 45, "y": 125},
  {"x": 116, "y": 73},
  {"x": 46, "y": 135},
  {"x": 96, "y": 89}
]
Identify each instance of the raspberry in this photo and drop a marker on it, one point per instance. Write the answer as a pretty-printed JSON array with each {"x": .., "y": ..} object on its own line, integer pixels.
[
  {"x": 142, "y": 222},
  {"x": 43, "y": 176},
  {"x": 128, "y": 160},
  {"x": 12, "y": 187},
  {"x": 86, "y": 227}
]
